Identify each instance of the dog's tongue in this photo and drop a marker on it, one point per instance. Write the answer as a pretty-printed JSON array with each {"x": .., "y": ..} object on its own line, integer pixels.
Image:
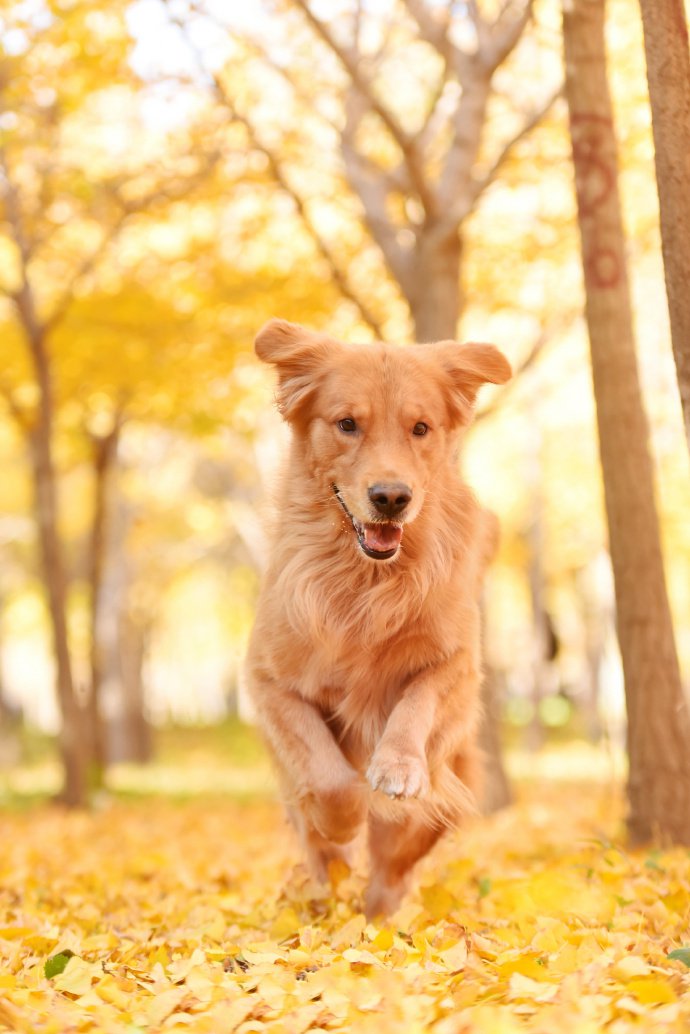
[{"x": 382, "y": 537}]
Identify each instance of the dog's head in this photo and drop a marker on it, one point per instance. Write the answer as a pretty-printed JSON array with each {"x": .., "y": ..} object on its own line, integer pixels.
[{"x": 378, "y": 424}]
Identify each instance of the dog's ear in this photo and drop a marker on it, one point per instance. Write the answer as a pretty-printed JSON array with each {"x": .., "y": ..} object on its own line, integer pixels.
[
  {"x": 297, "y": 353},
  {"x": 469, "y": 366}
]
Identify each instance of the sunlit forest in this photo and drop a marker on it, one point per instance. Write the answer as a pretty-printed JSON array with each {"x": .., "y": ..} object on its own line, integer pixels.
[{"x": 173, "y": 174}]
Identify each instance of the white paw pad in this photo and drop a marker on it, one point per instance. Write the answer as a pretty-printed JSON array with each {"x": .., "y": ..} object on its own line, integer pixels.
[{"x": 398, "y": 777}]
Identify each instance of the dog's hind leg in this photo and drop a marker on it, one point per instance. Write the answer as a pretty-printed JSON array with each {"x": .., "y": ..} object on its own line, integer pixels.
[
  {"x": 394, "y": 848},
  {"x": 319, "y": 850}
]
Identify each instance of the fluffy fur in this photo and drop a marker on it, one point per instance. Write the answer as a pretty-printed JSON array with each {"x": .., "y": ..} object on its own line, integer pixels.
[{"x": 364, "y": 666}]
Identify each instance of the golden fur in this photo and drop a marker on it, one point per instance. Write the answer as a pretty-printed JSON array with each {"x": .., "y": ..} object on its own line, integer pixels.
[{"x": 364, "y": 666}]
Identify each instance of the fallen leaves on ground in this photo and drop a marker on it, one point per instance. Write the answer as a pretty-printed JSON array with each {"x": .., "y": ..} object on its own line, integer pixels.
[{"x": 156, "y": 917}]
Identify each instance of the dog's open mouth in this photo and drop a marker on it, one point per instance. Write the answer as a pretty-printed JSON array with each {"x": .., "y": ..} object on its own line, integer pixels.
[{"x": 380, "y": 540}]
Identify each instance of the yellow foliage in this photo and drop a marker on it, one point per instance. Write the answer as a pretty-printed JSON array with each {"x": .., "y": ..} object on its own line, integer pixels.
[{"x": 201, "y": 918}]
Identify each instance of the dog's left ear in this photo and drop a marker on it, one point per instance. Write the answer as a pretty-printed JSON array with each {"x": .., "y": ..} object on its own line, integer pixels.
[
  {"x": 297, "y": 353},
  {"x": 469, "y": 366}
]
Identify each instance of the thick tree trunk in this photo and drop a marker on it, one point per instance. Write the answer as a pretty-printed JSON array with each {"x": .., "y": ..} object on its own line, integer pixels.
[
  {"x": 668, "y": 75},
  {"x": 436, "y": 299},
  {"x": 74, "y": 748},
  {"x": 40, "y": 441},
  {"x": 658, "y": 725}
]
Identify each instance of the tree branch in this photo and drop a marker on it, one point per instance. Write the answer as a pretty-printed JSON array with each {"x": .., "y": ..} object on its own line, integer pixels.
[
  {"x": 468, "y": 123},
  {"x": 353, "y": 67},
  {"x": 530, "y": 123},
  {"x": 87, "y": 265},
  {"x": 277, "y": 171},
  {"x": 503, "y": 35},
  {"x": 369, "y": 184},
  {"x": 16, "y": 410},
  {"x": 324, "y": 249},
  {"x": 540, "y": 343},
  {"x": 433, "y": 28},
  {"x": 23, "y": 297},
  {"x": 128, "y": 209}
]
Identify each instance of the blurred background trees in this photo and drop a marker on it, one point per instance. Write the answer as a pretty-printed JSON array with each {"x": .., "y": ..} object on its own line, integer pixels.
[
  {"x": 172, "y": 174},
  {"x": 658, "y": 735}
]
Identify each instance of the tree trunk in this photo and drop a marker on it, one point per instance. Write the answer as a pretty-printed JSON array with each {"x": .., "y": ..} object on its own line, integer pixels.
[
  {"x": 436, "y": 307},
  {"x": 137, "y": 736},
  {"x": 73, "y": 745},
  {"x": 542, "y": 632},
  {"x": 436, "y": 303},
  {"x": 668, "y": 75},
  {"x": 10, "y": 717},
  {"x": 5, "y": 711},
  {"x": 497, "y": 793},
  {"x": 658, "y": 725},
  {"x": 104, "y": 454}
]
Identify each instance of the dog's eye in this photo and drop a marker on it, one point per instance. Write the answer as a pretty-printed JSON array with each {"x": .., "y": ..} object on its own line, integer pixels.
[
  {"x": 347, "y": 425},
  {"x": 420, "y": 428}
]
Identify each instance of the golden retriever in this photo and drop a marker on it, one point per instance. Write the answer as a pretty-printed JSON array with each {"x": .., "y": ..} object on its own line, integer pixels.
[{"x": 364, "y": 663}]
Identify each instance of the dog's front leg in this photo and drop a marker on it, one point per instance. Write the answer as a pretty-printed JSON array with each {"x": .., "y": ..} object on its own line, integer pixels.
[
  {"x": 398, "y": 766},
  {"x": 321, "y": 782},
  {"x": 424, "y": 717}
]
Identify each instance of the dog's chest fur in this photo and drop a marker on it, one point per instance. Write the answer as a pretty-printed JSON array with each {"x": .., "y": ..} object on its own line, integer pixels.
[
  {"x": 349, "y": 634},
  {"x": 352, "y": 652}
]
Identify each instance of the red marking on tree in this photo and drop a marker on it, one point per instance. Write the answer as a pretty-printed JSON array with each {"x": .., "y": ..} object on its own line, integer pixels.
[
  {"x": 603, "y": 267},
  {"x": 679, "y": 15},
  {"x": 595, "y": 179}
]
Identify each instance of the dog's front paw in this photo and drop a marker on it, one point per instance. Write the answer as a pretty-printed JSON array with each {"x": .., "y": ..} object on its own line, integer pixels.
[{"x": 398, "y": 775}]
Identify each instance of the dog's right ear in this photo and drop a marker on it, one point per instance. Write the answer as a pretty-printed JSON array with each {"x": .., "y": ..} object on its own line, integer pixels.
[{"x": 297, "y": 353}]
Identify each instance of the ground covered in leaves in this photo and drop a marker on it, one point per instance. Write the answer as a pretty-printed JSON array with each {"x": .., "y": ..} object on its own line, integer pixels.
[{"x": 195, "y": 917}]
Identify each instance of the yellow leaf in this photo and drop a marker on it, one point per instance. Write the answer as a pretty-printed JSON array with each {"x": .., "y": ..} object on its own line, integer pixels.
[
  {"x": 383, "y": 940},
  {"x": 274, "y": 991},
  {"x": 551, "y": 937},
  {"x": 338, "y": 870},
  {"x": 527, "y": 964},
  {"x": 521, "y": 986},
  {"x": 485, "y": 948},
  {"x": 565, "y": 961},
  {"x": 14, "y": 933},
  {"x": 160, "y": 955},
  {"x": 285, "y": 924},
  {"x": 360, "y": 955},
  {"x": 349, "y": 934},
  {"x": 99, "y": 942},
  {"x": 229, "y": 1015},
  {"x": 76, "y": 977},
  {"x": 179, "y": 968},
  {"x": 437, "y": 901},
  {"x": 652, "y": 990},
  {"x": 11, "y": 1016},
  {"x": 454, "y": 958},
  {"x": 40, "y": 944},
  {"x": 628, "y": 967},
  {"x": 164, "y": 1004},
  {"x": 336, "y": 1002},
  {"x": 214, "y": 929},
  {"x": 677, "y": 901},
  {"x": 110, "y": 991},
  {"x": 264, "y": 953}
]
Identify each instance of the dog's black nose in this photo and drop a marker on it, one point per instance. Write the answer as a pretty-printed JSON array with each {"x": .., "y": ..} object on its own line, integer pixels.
[{"x": 390, "y": 498}]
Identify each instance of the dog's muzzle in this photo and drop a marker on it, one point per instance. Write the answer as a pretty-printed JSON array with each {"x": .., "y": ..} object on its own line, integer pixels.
[{"x": 379, "y": 539}]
